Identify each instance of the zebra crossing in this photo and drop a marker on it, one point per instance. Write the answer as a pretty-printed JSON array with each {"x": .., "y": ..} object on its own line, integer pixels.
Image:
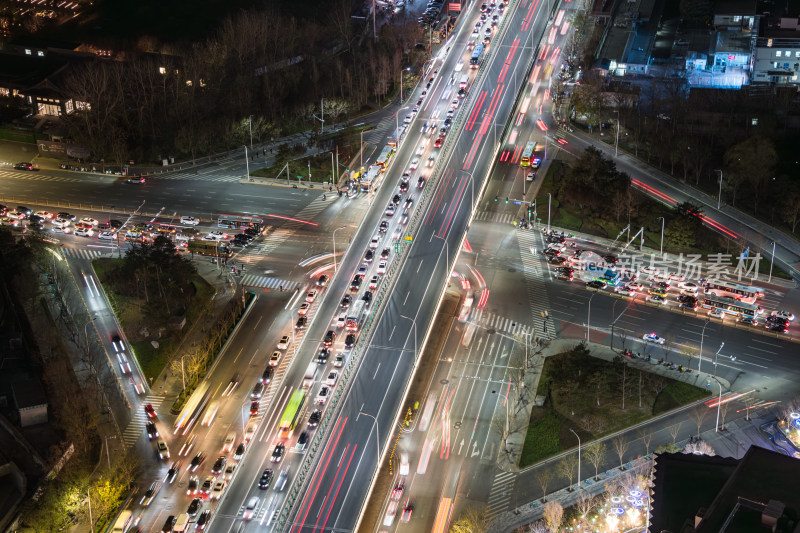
[
  {"x": 266, "y": 245},
  {"x": 38, "y": 176},
  {"x": 217, "y": 176},
  {"x": 135, "y": 429},
  {"x": 308, "y": 213},
  {"x": 85, "y": 253},
  {"x": 493, "y": 321},
  {"x": 381, "y": 130},
  {"x": 500, "y": 493},
  {"x": 500, "y": 218},
  {"x": 253, "y": 280},
  {"x": 535, "y": 281}
]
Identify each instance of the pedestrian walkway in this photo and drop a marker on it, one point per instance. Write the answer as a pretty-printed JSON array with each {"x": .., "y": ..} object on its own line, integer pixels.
[
  {"x": 309, "y": 212},
  {"x": 265, "y": 246},
  {"x": 85, "y": 253},
  {"x": 498, "y": 323},
  {"x": 500, "y": 218},
  {"x": 536, "y": 274},
  {"x": 194, "y": 175},
  {"x": 135, "y": 429},
  {"x": 253, "y": 280},
  {"x": 38, "y": 176},
  {"x": 501, "y": 492},
  {"x": 382, "y": 129}
]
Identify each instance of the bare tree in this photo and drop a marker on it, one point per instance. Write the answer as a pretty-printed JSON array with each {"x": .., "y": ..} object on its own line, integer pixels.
[
  {"x": 594, "y": 453},
  {"x": 472, "y": 520},
  {"x": 621, "y": 445},
  {"x": 749, "y": 401},
  {"x": 674, "y": 429},
  {"x": 553, "y": 515},
  {"x": 544, "y": 476},
  {"x": 646, "y": 436},
  {"x": 699, "y": 414},
  {"x": 567, "y": 466}
]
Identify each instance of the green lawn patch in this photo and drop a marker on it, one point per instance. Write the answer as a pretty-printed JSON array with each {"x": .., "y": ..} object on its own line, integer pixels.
[{"x": 595, "y": 397}]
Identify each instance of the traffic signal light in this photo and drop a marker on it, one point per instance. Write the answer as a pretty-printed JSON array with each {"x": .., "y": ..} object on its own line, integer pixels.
[
  {"x": 506, "y": 199},
  {"x": 495, "y": 198}
]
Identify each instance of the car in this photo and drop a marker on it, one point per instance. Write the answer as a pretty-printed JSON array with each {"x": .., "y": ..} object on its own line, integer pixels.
[
  {"x": 431, "y": 161},
  {"x": 215, "y": 236},
  {"x": 414, "y": 164},
  {"x": 275, "y": 358},
  {"x": 169, "y": 523},
  {"x": 653, "y": 338},
  {"x": 338, "y": 362},
  {"x": 172, "y": 473},
  {"x": 280, "y": 483},
  {"x": 396, "y": 199},
  {"x": 625, "y": 290},
  {"x": 551, "y": 252},
  {"x": 382, "y": 266},
  {"x": 385, "y": 253},
  {"x": 777, "y": 320},
  {"x": 717, "y": 313},
  {"x": 314, "y": 418},
  {"x": 674, "y": 276},
  {"x": 136, "y": 179},
  {"x": 190, "y": 221},
  {"x": 277, "y": 452},
  {"x": 202, "y": 520},
  {"x": 556, "y": 260},
  {"x": 254, "y": 406},
  {"x": 23, "y": 166},
  {"x": 403, "y": 186},
  {"x": 322, "y": 356},
  {"x": 193, "y": 486},
  {"x": 373, "y": 282},
  {"x": 194, "y": 507},
  {"x": 783, "y": 314},
  {"x": 149, "y": 411},
  {"x": 163, "y": 450},
  {"x": 660, "y": 286},
  {"x": 219, "y": 488},
  {"x": 350, "y": 340},
  {"x": 421, "y": 147},
  {"x": 302, "y": 440},
  {"x": 391, "y": 511},
  {"x": 404, "y": 464},
  {"x": 400, "y": 486},
  {"x": 219, "y": 465},
  {"x": 437, "y": 143},
  {"x": 83, "y": 232},
  {"x": 638, "y": 287},
  {"x": 90, "y": 220},
  {"x": 369, "y": 256},
  {"x": 408, "y": 508},
  {"x": 420, "y": 182},
  {"x": 649, "y": 270},
  {"x": 207, "y": 486},
  {"x": 367, "y": 297},
  {"x": 311, "y": 296},
  {"x": 197, "y": 460},
  {"x": 688, "y": 292},
  {"x": 776, "y": 326},
  {"x": 250, "y": 508},
  {"x": 656, "y": 299},
  {"x": 239, "y": 453},
  {"x": 341, "y": 319},
  {"x": 150, "y": 493},
  {"x": 322, "y": 281},
  {"x": 284, "y": 342},
  {"x": 596, "y": 284},
  {"x": 389, "y": 210},
  {"x": 152, "y": 432},
  {"x": 355, "y": 284},
  {"x": 688, "y": 302},
  {"x": 323, "y": 394},
  {"x": 747, "y": 320},
  {"x": 330, "y": 338},
  {"x": 266, "y": 479},
  {"x": 105, "y": 235},
  {"x": 45, "y": 215},
  {"x": 688, "y": 285},
  {"x": 383, "y": 226},
  {"x": 266, "y": 376},
  {"x": 61, "y": 222},
  {"x": 227, "y": 444},
  {"x": 112, "y": 223},
  {"x": 345, "y": 303}
]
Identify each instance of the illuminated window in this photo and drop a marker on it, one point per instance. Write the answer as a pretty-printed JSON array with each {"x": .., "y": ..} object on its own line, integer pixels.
[
  {"x": 27, "y": 51},
  {"x": 40, "y": 53},
  {"x": 777, "y": 53},
  {"x": 162, "y": 70},
  {"x": 797, "y": 54},
  {"x": 5, "y": 92}
]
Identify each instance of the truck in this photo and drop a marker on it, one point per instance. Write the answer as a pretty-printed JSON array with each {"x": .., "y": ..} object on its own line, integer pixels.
[
  {"x": 370, "y": 179},
  {"x": 182, "y": 524},
  {"x": 210, "y": 248},
  {"x": 354, "y": 316},
  {"x": 123, "y": 521},
  {"x": 311, "y": 371}
]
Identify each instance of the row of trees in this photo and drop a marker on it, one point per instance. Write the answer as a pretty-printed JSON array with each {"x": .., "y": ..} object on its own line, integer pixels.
[{"x": 198, "y": 97}]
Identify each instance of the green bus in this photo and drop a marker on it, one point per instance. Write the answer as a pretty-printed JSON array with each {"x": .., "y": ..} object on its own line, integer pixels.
[{"x": 291, "y": 413}]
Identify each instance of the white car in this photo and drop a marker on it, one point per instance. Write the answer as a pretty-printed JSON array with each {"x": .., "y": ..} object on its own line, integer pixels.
[
  {"x": 284, "y": 342},
  {"x": 784, "y": 314},
  {"x": 215, "y": 236},
  {"x": 689, "y": 285},
  {"x": 323, "y": 394},
  {"x": 653, "y": 338},
  {"x": 382, "y": 266},
  {"x": 340, "y": 321},
  {"x": 275, "y": 358},
  {"x": 625, "y": 290},
  {"x": 332, "y": 377},
  {"x": 431, "y": 161},
  {"x": 311, "y": 296},
  {"x": 106, "y": 235},
  {"x": 404, "y": 466},
  {"x": 689, "y": 292},
  {"x": 227, "y": 446},
  {"x": 59, "y": 229},
  {"x": 716, "y": 313},
  {"x": 16, "y": 215},
  {"x": 650, "y": 271},
  {"x": 90, "y": 220},
  {"x": 677, "y": 277},
  {"x": 190, "y": 221},
  {"x": 420, "y": 150},
  {"x": 373, "y": 244},
  {"x": 560, "y": 246},
  {"x": 219, "y": 488},
  {"x": 373, "y": 282},
  {"x": 414, "y": 163},
  {"x": 84, "y": 232},
  {"x": 44, "y": 214},
  {"x": 61, "y": 222}
]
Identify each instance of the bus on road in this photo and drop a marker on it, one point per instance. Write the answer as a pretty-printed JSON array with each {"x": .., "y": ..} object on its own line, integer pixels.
[
  {"x": 477, "y": 55},
  {"x": 745, "y": 293},
  {"x": 730, "y": 306},
  {"x": 385, "y": 158},
  {"x": 291, "y": 413},
  {"x": 527, "y": 154}
]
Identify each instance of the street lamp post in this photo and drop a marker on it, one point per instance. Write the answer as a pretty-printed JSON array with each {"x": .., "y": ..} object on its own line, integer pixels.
[
  {"x": 719, "y": 402},
  {"x": 716, "y": 355},
  {"x": 579, "y": 457},
  {"x": 377, "y": 435},
  {"x": 588, "y": 317},
  {"x": 719, "y": 196},
  {"x": 250, "y": 121},
  {"x": 662, "y": 236},
  {"x": 246, "y": 162},
  {"x": 183, "y": 373},
  {"x": 549, "y": 198},
  {"x": 700, "y": 353},
  {"x": 402, "y": 73},
  {"x": 361, "y": 154},
  {"x": 771, "y": 262},
  {"x": 616, "y": 142},
  {"x": 333, "y": 238}
]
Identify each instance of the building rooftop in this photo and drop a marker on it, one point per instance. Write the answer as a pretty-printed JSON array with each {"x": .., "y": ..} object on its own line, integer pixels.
[
  {"x": 21, "y": 72},
  {"x": 735, "y": 7}
]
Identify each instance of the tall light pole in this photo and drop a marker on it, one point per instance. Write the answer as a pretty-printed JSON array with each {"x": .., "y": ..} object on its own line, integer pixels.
[
  {"x": 333, "y": 238},
  {"x": 662, "y": 236},
  {"x": 250, "y": 121},
  {"x": 361, "y": 154},
  {"x": 549, "y": 198},
  {"x": 588, "y": 317},
  {"x": 402, "y": 73},
  {"x": 579, "y": 457},
  {"x": 719, "y": 196},
  {"x": 771, "y": 261},
  {"x": 716, "y": 355},
  {"x": 377, "y": 435},
  {"x": 616, "y": 142},
  {"x": 246, "y": 162},
  {"x": 183, "y": 373},
  {"x": 413, "y": 323},
  {"x": 702, "y": 336},
  {"x": 719, "y": 403}
]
